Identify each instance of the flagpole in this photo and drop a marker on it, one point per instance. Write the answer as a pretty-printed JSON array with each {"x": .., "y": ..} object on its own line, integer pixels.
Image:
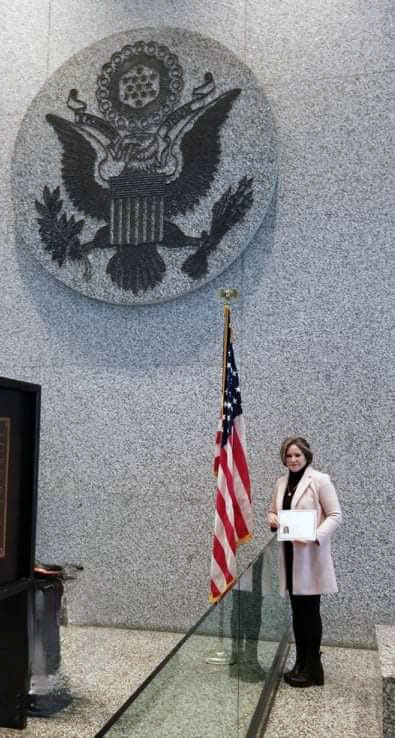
[
  {"x": 220, "y": 657},
  {"x": 227, "y": 294},
  {"x": 227, "y": 330}
]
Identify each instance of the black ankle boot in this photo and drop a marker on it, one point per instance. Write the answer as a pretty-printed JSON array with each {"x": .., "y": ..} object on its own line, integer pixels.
[
  {"x": 297, "y": 667},
  {"x": 312, "y": 674},
  {"x": 295, "y": 671}
]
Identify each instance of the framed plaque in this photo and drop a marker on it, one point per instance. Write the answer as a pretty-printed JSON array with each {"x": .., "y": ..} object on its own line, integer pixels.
[
  {"x": 19, "y": 443},
  {"x": 297, "y": 525}
]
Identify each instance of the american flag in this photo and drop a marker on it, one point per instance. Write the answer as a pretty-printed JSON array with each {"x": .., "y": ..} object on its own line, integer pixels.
[{"x": 233, "y": 513}]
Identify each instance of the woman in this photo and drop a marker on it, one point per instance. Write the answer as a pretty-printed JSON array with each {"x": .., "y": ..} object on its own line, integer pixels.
[{"x": 306, "y": 567}]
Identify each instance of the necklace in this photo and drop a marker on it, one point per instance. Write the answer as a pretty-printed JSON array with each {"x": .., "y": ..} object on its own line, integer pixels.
[{"x": 297, "y": 477}]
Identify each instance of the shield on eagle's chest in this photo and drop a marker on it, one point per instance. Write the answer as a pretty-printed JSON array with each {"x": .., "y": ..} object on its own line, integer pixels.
[{"x": 137, "y": 210}]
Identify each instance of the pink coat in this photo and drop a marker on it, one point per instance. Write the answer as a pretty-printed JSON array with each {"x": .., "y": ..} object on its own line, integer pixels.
[{"x": 313, "y": 571}]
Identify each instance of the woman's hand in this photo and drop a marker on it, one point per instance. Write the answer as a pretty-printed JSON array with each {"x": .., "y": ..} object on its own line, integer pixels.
[{"x": 272, "y": 520}]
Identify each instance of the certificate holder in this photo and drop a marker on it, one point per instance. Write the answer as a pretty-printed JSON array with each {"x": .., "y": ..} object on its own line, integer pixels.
[{"x": 297, "y": 524}]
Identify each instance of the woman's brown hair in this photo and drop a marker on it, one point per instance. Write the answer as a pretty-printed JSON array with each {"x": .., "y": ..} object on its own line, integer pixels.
[{"x": 301, "y": 443}]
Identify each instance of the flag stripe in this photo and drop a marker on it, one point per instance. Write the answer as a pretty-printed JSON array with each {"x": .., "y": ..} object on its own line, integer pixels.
[
  {"x": 245, "y": 510},
  {"x": 225, "y": 520},
  {"x": 217, "y": 447},
  {"x": 240, "y": 455},
  {"x": 240, "y": 526},
  {"x": 243, "y": 496},
  {"x": 226, "y": 567}
]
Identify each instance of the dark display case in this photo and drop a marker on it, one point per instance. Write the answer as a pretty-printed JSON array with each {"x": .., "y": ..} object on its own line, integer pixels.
[{"x": 19, "y": 450}]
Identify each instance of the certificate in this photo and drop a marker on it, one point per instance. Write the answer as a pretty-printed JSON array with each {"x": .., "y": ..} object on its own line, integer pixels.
[{"x": 297, "y": 525}]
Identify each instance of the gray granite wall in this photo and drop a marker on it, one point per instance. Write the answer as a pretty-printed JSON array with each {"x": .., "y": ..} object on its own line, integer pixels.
[{"x": 130, "y": 394}]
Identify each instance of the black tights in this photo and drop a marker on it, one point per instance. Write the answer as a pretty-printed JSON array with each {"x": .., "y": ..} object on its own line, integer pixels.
[
  {"x": 307, "y": 625},
  {"x": 306, "y": 618}
]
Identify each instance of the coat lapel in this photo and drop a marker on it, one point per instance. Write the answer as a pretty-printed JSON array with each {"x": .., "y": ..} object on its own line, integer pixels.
[{"x": 302, "y": 486}]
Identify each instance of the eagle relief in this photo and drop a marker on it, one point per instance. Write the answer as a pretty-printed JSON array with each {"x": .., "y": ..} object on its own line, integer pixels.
[{"x": 146, "y": 183}]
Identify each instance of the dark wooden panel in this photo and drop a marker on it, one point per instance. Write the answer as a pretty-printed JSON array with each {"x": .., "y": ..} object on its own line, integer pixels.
[
  {"x": 19, "y": 441},
  {"x": 19, "y": 430},
  {"x": 14, "y": 661}
]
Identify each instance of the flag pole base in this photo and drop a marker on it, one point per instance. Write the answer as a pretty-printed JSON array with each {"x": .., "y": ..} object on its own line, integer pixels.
[{"x": 220, "y": 658}]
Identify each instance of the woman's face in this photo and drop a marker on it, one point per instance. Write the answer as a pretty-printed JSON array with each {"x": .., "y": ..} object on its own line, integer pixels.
[{"x": 295, "y": 458}]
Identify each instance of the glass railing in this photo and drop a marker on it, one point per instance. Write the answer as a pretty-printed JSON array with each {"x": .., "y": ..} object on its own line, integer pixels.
[{"x": 220, "y": 679}]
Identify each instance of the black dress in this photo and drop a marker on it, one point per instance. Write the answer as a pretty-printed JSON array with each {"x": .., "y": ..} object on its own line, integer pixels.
[{"x": 293, "y": 481}]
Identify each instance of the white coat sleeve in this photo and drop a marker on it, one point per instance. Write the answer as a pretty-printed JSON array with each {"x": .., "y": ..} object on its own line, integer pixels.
[
  {"x": 272, "y": 518},
  {"x": 331, "y": 507}
]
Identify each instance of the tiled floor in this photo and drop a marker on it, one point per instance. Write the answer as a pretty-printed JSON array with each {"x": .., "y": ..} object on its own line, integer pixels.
[
  {"x": 348, "y": 706},
  {"x": 105, "y": 665}
]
